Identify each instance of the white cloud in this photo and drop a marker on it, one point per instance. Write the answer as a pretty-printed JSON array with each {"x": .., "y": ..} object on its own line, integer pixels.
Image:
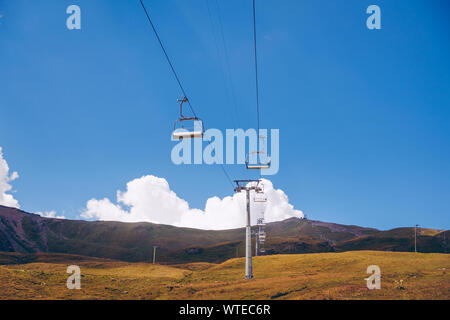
[
  {"x": 150, "y": 199},
  {"x": 50, "y": 214},
  {"x": 6, "y": 199}
]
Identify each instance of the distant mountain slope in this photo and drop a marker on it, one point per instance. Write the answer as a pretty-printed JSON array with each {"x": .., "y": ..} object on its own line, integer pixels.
[
  {"x": 399, "y": 239},
  {"x": 26, "y": 233},
  {"x": 318, "y": 230}
]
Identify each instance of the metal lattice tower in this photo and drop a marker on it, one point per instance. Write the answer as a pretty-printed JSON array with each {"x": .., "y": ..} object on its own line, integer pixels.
[
  {"x": 260, "y": 236},
  {"x": 260, "y": 198}
]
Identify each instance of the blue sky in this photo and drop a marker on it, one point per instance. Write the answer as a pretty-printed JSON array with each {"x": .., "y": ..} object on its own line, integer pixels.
[{"x": 363, "y": 114}]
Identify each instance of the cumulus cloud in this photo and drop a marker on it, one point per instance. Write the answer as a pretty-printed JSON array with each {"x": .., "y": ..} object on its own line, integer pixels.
[
  {"x": 150, "y": 199},
  {"x": 6, "y": 199},
  {"x": 50, "y": 214}
]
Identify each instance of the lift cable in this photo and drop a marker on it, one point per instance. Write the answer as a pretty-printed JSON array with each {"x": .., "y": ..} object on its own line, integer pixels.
[
  {"x": 256, "y": 78},
  {"x": 227, "y": 61},
  {"x": 176, "y": 76},
  {"x": 219, "y": 56},
  {"x": 256, "y": 69},
  {"x": 226, "y": 174},
  {"x": 167, "y": 57}
]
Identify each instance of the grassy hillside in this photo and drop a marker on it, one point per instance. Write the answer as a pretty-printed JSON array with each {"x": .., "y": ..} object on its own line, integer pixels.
[
  {"x": 295, "y": 276},
  {"x": 323, "y": 276}
]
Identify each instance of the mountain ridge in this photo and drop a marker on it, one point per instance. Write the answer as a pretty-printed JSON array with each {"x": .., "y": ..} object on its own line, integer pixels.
[{"x": 26, "y": 233}]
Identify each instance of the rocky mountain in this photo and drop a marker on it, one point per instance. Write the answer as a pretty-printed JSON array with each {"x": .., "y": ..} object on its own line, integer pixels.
[{"x": 25, "y": 234}]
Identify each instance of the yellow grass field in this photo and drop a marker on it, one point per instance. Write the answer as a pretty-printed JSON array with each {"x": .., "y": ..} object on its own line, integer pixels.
[{"x": 302, "y": 276}]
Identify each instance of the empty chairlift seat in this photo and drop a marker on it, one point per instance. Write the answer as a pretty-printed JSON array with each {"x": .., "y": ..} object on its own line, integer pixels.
[
  {"x": 260, "y": 195},
  {"x": 187, "y": 127},
  {"x": 182, "y": 131},
  {"x": 258, "y": 159}
]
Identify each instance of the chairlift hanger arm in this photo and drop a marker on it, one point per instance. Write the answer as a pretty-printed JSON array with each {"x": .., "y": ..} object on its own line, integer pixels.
[{"x": 184, "y": 99}]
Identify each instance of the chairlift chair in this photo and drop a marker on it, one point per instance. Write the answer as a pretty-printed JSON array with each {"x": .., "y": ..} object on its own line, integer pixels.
[
  {"x": 260, "y": 164},
  {"x": 182, "y": 131},
  {"x": 260, "y": 196},
  {"x": 262, "y": 159}
]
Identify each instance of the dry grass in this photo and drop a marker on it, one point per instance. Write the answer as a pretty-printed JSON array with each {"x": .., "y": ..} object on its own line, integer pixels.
[
  {"x": 304, "y": 276},
  {"x": 428, "y": 232},
  {"x": 105, "y": 280}
]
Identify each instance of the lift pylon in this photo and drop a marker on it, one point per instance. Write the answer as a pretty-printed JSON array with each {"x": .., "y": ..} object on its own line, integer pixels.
[{"x": 247, "y": 186}]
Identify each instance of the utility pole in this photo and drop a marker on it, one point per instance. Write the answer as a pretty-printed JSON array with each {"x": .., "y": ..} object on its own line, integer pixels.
[
  {"x": 247, "y": 186},
  {"x": 154, "y": 254},
  {"x": 415, "y": 238},
  {"x": 445, "y": 243}
]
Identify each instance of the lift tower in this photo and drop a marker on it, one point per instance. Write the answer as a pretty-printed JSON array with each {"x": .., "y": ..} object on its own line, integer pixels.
[{"x": 247, "y": 186}]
